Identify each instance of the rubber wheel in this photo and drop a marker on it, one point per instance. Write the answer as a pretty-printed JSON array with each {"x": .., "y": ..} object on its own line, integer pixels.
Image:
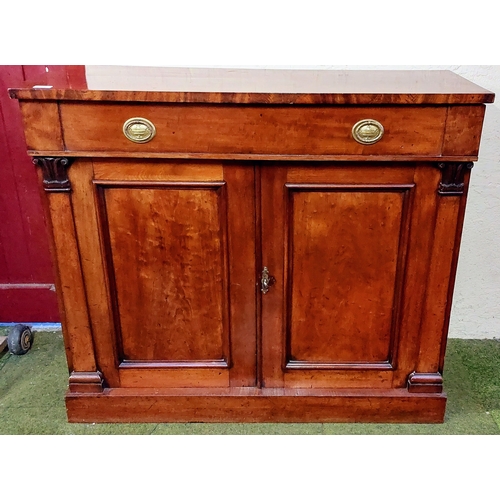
[{"x": 20, "y": 339}]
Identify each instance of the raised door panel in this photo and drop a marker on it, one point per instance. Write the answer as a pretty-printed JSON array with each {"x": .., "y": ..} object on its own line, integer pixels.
[
  {"x": 341, "y": 250},
  {"x": 345, "y": 254},
  {"x": 167, "y": 250},
  {"x": 170, "y": 249}
]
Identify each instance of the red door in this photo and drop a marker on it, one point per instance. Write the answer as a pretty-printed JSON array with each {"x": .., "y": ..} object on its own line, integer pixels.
[{"x": 27, "y": 293}]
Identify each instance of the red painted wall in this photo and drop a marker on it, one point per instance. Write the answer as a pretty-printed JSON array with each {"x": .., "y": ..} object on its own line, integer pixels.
[{"x": 26, "y": 275}]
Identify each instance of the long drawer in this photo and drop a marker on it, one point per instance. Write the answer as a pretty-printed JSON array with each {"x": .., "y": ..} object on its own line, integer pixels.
[{"x": 255, "y": 129}]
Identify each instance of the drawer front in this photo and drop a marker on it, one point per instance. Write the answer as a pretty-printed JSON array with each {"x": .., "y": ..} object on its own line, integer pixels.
[{"x": 230, "y": 129}]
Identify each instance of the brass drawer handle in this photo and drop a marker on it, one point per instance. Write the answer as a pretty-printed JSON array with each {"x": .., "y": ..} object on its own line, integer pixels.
[
  {"x": 367, "y": 131},
  {"x": 139, "y": 130}
]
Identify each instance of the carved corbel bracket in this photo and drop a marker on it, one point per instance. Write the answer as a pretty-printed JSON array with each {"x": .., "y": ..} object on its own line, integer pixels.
[
  {"x": 86, "y": 382},
  {"x": 452, "y": 177},
  {"x": 425, "y": 382},
  {"x": 55, "y": 175}
]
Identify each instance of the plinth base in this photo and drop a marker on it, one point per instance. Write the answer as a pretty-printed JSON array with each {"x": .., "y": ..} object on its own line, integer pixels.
[{"x": 255, "y": 405}]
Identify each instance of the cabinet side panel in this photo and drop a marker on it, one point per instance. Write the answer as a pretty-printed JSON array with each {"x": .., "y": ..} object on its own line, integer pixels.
[{"x": 166, "y": 247}]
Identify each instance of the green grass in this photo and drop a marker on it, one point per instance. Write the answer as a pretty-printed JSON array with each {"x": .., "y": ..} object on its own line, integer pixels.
[{"x": 32, "y": 391}]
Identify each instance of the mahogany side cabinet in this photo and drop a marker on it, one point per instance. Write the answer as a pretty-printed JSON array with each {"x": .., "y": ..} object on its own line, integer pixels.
[{"x": 256, "y": 245}]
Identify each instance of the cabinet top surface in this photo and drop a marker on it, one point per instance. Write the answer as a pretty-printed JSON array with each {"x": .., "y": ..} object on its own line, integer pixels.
[{"x": 266, "y": 86}]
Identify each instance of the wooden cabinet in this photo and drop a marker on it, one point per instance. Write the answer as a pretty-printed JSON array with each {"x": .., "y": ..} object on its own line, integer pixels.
[{"x": 282, "y": 250}]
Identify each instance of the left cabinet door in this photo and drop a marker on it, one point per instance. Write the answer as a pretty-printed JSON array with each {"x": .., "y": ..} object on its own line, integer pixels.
[{"x": 168, "y": 259}]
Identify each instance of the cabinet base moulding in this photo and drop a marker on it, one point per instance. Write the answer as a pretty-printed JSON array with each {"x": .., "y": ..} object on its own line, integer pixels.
[
  {"x": 255, "y": 406},
  {"x": 87, "y": 382}
]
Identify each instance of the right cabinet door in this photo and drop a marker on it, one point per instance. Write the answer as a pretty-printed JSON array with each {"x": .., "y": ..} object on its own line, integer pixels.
[{"x": 349, "y": 248}]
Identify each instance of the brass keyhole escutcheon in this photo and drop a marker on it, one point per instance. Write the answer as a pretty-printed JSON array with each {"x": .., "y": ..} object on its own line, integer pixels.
[
  {"x": 367, "y": 131},
  {"x": 266, "y": 281},
  {"x": 139, "y": 130}
]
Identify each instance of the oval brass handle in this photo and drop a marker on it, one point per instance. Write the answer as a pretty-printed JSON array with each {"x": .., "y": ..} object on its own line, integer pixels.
[
  {"x": 367, "y": 131},
  {"x": 139, "y": 130}
]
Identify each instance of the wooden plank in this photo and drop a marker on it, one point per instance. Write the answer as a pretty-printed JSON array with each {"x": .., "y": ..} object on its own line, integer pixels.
[
  {"x": 144, "y": 170},
  {"x": 440, "y": 274},
  {"x": 254, "y": 157},
  {"x": 76, "y": 324},
  {"x": 351, "y": 377},
  {"x": 273, "y": 253},
  {"x": 266, "y": 86},
  {"x": 242, "y": 272},
  {"x": 94, "y": 275},
  {"x": 417, "y": 269},
  {"x": 238, "y": 405},
  {"x": 174, "y": 377}
]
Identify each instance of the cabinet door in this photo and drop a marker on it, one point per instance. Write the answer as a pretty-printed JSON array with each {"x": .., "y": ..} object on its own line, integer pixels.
[
  {"x": 168, "y": 256},
  {"x": 348, "y": 246}
]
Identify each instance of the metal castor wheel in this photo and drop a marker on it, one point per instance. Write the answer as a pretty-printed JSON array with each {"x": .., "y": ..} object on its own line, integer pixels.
[{"x": 20, "y": 339}]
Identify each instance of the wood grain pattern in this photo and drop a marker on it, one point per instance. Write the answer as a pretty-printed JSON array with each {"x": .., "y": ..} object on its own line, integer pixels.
[
  {"x": 350, "y": 376},
  {"x": 426, "y": 180},
  {"x": 42, "y": 127},
  {"x": 454, "y": 264},
  {"x": 349, "y": 172},
  {"x": 440, "y": 284},
  {"x": 57, "y": 278},
  {"x": 437, "y": 285},
  {"x": 243, "y": 86},
  {"x": 464, "y": 125},
  {"x": 240, "y": 182},
  {"x": 315, "y": 158},
  {"x": 159, "y": 170},
  {"x": 253, "y": 129},
  {"x": 96, "y": 281},
  {"x": 256, "y": 405},
  {"x": 72, "y": 289},
  {"x": 273, "y": 252},
  {"x": 344, "y": 242},
  {"x": 167, "y": 245},
  {"x": 190, "y": 376}
]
